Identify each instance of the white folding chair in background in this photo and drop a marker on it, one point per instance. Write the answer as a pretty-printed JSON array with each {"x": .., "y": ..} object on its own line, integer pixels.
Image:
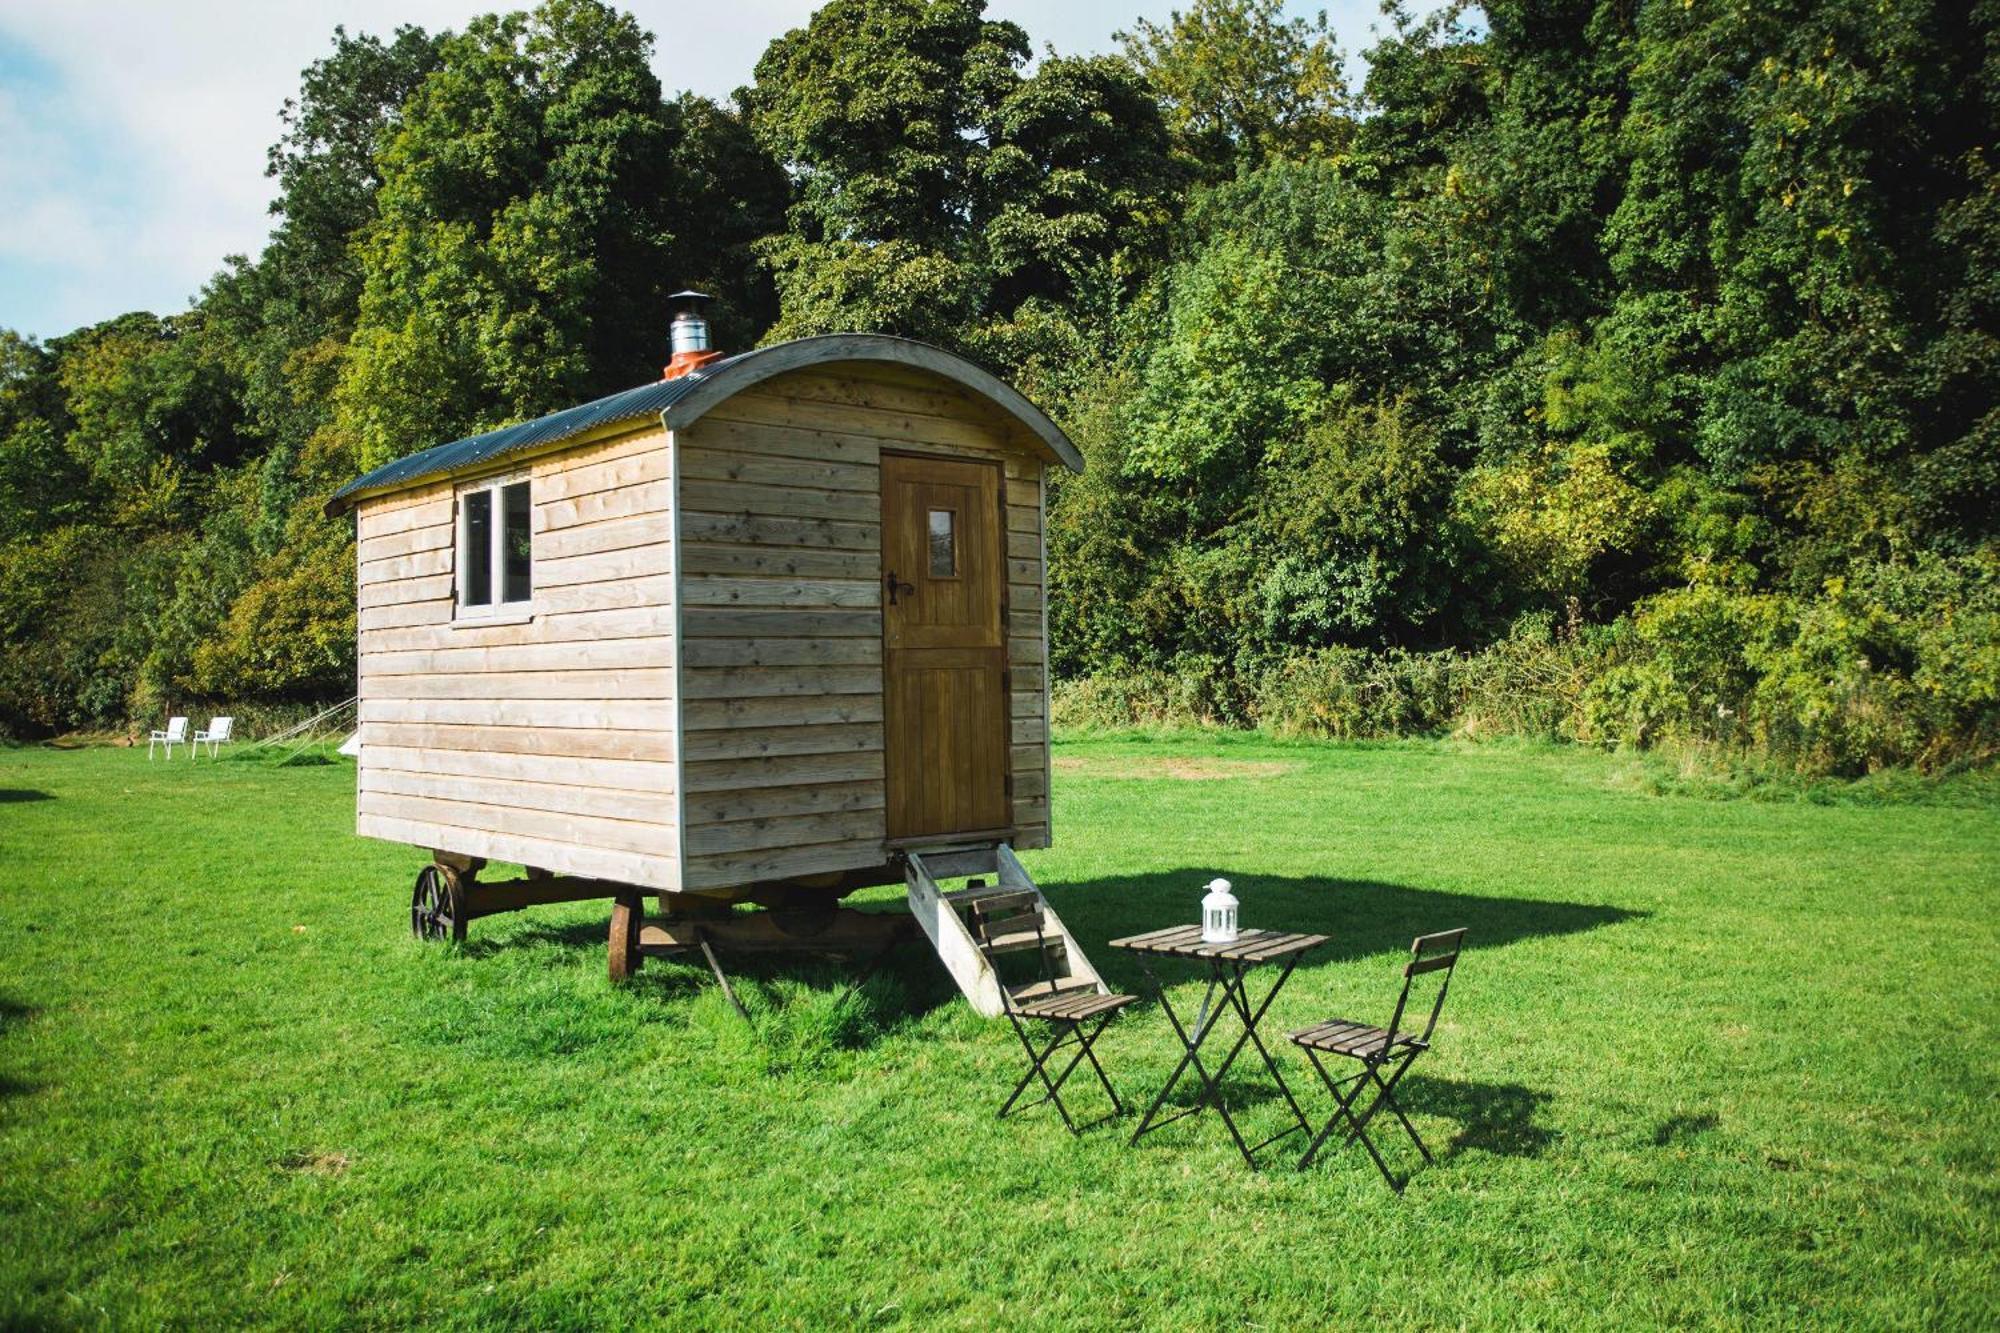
[
  {"x": 175, "y": 734},
  {"x": 216, "y": 735}
]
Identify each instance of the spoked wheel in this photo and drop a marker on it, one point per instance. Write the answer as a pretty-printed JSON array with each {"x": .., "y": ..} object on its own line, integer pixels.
[{"x": 437, "y": 905}]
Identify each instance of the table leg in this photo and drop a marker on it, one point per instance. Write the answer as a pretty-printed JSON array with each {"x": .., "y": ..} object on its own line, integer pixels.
[
  {"x": 1211, "y": 1091},
  {"x": 1250, "y": 1024},
  {"x": 1187, "y": 1051},
  {"x": 1231, "y": 980}
]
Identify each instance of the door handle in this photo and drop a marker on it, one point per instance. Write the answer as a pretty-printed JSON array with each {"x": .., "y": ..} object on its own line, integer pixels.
[{"x": 892, "y": 585}]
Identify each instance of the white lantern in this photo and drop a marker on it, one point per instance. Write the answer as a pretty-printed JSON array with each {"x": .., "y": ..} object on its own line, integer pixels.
[{"x": 1218, "y": 914}]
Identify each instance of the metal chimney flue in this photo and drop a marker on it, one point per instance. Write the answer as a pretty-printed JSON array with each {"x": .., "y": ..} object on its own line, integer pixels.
[{"x": 688, "y": 338}]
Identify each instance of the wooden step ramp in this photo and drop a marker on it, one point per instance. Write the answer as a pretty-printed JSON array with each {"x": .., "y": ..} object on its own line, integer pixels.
[{"x": 941, "y": 915}]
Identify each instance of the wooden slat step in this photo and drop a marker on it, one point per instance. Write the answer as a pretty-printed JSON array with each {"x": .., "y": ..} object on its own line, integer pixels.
[
  {"x": 1040, "y": 990},
  {"x": 1015, "y": 941},
  {"x": 963, "y": 898},
  {"x": 991, "y": 903}
]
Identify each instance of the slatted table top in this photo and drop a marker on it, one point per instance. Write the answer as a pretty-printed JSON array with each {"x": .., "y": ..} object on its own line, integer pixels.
[{"x": 1249, "y": 946}]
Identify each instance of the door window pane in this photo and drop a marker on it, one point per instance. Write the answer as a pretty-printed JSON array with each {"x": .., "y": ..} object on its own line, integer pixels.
[
  {"x": 516, "y": 543},
  {"x": 944, "y": 544},
  {"x": 478, "y": 589}
]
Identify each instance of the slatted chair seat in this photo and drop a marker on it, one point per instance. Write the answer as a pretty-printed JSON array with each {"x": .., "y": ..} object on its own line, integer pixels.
[
  {"x": 1341, "y": 1036},
  {"x": 1014, "y": 921},
  {"x": 1379, "y": 1049},
  {"x": 1074, "y": 1008}
]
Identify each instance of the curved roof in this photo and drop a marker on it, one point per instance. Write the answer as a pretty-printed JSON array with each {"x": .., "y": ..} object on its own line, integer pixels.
[{"x": 679, "y": 403}]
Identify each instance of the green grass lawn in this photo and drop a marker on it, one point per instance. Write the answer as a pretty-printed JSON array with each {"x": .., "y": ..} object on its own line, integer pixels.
[{"x": 1706, "y": 1061}]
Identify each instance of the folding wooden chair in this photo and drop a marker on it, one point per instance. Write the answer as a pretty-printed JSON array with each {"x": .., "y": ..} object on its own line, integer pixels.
[
  {"x": 1377, "y": 1049},
  {"x": 1011, "y": 921}
]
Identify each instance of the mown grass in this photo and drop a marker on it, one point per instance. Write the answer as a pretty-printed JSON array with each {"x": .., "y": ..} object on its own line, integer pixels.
[{"x": 1707, "y": 1062}]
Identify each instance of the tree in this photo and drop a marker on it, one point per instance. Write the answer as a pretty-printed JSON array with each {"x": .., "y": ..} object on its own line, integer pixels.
[
  {"x": 526, "y": 236},
  {"x": 937, "y": 190},
  {"x": 1240, "y": 85}
]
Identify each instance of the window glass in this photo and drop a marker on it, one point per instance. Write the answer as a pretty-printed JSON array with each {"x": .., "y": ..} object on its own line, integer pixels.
[
  {"x": 516, "y": 543},
  {"x": 944, "y": 547},
  {"x": 478, "y": 586}
]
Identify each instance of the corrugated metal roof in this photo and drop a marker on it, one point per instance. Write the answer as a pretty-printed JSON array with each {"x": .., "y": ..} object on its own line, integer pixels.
[
  {"x": 704, "y": 388},
  {"x": 648, "y": 400}
]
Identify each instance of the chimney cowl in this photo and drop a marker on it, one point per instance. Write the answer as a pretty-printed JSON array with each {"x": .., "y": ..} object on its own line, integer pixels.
[{"x": 688, "y": 337}]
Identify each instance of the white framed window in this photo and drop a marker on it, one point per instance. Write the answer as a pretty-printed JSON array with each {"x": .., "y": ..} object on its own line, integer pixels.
[{"x": 496, "y": 549}]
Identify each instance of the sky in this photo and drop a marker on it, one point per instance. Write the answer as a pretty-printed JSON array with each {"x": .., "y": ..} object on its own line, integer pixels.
[{"x": 133, "y": 132}]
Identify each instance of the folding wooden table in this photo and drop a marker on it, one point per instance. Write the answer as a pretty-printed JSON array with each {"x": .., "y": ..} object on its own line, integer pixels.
[{"x": 1229, "y": 966}]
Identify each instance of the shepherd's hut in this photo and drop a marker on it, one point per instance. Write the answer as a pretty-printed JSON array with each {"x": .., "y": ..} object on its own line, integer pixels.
[{"x": 770, "y": 628}]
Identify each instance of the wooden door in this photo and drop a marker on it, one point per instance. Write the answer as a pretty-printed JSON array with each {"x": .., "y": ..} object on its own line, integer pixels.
[{"x": 944, "y": 582}]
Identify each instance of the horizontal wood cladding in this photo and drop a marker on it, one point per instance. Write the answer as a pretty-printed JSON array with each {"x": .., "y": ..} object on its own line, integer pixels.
[
  {"x": 797, "y": 738},
  {"x": 692, "y": 714},
  {"x": 777, "y": 532},
  {"x": 747, "y": 682},
  {"x": 435, "y": 537},
  {"x": 653, "y": 560},
  {"x": 616, "y": 714},
  {"x": 761, "y": 652},
  {"x": 570, "y": 742},
  {"x": 574, "y": 628},
  {"x": 653, "y": 650},
  {"x": 545, "y": 739},
  {"x": 706, "y": 622},
  {"x": 779, "y": 711},
  {"x": 563, "y": 857},
  {"x": 625, "y": 686},
  {"x": 825, "y": 798},
  {"x": 611, "y": 534},
  {"x": 722, "y": 870},
  {"x": 618, "y": 835},
  {"x": 780, "y": 831},
  {"x": 779, "y": 590},
  {"x": 648, "y": 777},
  {"x": 780, "y": 578},
  {"x": 783, "y": 562},
  {"x": 536, "y": 793},
  {"x": 730, "y": 497}
]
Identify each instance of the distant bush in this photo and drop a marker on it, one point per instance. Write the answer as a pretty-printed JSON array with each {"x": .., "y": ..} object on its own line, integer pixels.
[{"x": 1897, "y": 665}]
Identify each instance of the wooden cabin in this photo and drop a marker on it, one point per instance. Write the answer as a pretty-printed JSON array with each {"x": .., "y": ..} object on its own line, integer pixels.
[{"x": 772, "y": 621}]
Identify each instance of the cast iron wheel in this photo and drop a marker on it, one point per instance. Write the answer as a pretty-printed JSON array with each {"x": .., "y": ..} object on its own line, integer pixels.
[{"x": 437, "y": 905}]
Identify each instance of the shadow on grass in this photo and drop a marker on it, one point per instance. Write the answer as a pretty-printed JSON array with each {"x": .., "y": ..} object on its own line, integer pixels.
[
  {"x": 18, "y": 795},
  {"x": 13, "y": 1013},
  {"x": 1364, "y": 918},
  {"x": 1492, "y": 1117},
  {"x": 1679, "y": 1128},
  {"x": 899, "y": 991}
]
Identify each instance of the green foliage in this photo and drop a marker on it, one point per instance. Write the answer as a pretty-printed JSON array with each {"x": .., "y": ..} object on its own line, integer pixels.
[
  {"x": 290, "y": 633},
  {"x": 524, "y": 244},
  {"x": 1625, "y": 374},
  {"x": 1354, "y": 517},
  {"x": 942, "y": 195},
  {"x": 1239, "y": 84}
]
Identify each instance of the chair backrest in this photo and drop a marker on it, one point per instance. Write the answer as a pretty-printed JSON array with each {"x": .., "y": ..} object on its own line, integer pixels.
[
  {"x": 1008, "y": 917},
  {"x": 177, "y": 728},
  {"x": 1428, "y": 954},
  {"x": 218, "y": 728}
]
